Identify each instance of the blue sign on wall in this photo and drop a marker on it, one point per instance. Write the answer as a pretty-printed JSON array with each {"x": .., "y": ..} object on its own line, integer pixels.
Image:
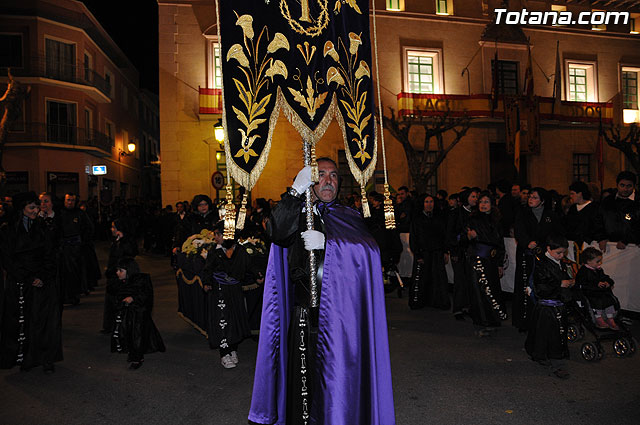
[{"x": 99, "y": 170}]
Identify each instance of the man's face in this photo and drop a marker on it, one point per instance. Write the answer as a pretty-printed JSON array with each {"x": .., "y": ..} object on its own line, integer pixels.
[
  {"x": 180, "y": 208},
  {"x": 327, "y": 188},
  {"x": 429, "y": 204},
  {"x": 45, "y": 203},
  {"x": 453, "y": 203},
  {"x": 625, "y": 188},
  {"x": 576, "y": 197},
  {"x": 524, "y": 196},
  {"x": 515, "y": 191},
  {"x": 402, "y": 195},
  {"x": 69, "y": 202}
]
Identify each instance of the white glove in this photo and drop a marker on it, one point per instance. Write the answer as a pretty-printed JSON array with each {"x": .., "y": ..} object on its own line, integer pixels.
[
  {"x": 313, "y": 240},
  {"x": 303, "y": 180}
]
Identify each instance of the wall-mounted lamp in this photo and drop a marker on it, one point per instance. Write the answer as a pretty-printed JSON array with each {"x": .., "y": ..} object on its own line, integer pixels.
[
  {"x": 131, "y": 148},
  {"x": 218, "y": 133}
]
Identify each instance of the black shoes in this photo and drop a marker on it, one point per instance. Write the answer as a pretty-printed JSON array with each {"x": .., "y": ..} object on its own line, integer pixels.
[
  {"x": 135, "y": 365},
  {"x": 48, "y": 368}
]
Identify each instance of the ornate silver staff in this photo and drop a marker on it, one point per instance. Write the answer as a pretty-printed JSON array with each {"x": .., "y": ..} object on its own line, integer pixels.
[{"x": 309, "y": 206}]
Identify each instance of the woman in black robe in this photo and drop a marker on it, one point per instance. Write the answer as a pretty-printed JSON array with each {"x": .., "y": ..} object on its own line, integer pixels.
[
  {"x": 134, "y": 331},
  {"x": 485, "y": 258},
  {"x": 124, "y": 245},
  {"x": 204, "y": 216},
  {"x": 547, "y": 338},
  {"x": 228, "y": 268},
  {"x": 430, "y": 285},
  {"x": 533, "y": 225},
  {"x": 457, "y": 243},
  {"x": 31, "y": 325}
]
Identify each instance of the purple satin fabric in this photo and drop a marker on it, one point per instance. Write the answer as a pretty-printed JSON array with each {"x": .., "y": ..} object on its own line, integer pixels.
[{"x": 353, "y": 349}]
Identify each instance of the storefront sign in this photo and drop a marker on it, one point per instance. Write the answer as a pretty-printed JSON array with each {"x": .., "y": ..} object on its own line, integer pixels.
[{"x": 99, "y": 170}]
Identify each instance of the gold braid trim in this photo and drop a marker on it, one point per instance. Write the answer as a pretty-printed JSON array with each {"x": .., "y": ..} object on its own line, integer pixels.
[
  {"x": 389, "y": 216},
  {"x": 198, "y": 328},
  {"x": 180, "y": 275},
  {"x": 365, "y": 203},
  {"x": 361, "y": 176},
  {"x": 242, "y": 214},
  {"x": 308, "y": 135}
]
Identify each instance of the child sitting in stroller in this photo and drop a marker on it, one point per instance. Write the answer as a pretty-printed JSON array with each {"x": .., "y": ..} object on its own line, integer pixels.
[{"x": 596, "y": 286}]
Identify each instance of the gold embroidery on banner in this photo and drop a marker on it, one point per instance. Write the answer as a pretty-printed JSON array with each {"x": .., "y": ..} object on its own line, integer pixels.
[
  {"x": 256, "y": 77},
  {"x": 314, "y": 30},
  {"x": 307, "y": 54},
  {"x": 310, "y": 102},
  {"x": 350, "y": 82}
]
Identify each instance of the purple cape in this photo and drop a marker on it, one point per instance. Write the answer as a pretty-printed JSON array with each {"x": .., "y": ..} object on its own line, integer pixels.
[{"x": 353, "y": 349}]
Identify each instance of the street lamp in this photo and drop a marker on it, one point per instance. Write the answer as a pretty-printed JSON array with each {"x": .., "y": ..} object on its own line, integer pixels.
[
  {"x": 131, "y": 148},
  {"x": 218, "y": 132}
]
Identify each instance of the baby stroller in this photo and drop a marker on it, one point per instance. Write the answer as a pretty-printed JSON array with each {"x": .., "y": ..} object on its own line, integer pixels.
[{"x": 581, "y": 318}]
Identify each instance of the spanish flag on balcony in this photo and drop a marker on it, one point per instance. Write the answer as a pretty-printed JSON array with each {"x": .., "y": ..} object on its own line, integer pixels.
[{"x": 210, "y": 101}]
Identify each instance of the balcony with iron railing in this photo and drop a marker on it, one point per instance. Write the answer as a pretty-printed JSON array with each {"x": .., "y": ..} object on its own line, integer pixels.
[
  {"x": 64, "y": 136},
  {"x": 66, "y": 72}
]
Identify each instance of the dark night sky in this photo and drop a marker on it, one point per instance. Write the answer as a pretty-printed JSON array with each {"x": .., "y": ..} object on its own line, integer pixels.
[{"x": 133, "y": 25}]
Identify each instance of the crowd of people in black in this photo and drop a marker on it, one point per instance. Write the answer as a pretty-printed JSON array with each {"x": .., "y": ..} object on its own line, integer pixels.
[{"x": 49, "y": 261}]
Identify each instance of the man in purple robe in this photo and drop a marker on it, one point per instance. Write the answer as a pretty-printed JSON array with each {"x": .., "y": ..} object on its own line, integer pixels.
[{"x": 325, "y": 365}]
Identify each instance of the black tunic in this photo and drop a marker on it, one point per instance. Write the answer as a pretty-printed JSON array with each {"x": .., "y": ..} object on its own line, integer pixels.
[
  {"x": 457, "y": 244},
  {"x": 618, "y": 220},
  {"x": 79, "y": 269},
  {"x": 587, "y": 280},
  {"x": 580, "y": 225},
  {"x": 134, "y": 332},
  {"x": 388, "y": 240},
  {"x": 29, "y": 312},
  {"x": 484, "y": 256},
  {"x": 120, "y": 248},
  {"x": 427, "y": 243},
  {"x": 227, "y": 318},
  {"x": 547, "y": 337},
  {"x": 528, "y": 229}
]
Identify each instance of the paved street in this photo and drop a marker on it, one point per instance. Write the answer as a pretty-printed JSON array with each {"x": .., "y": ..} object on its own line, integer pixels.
[{"x": 442, "y": 374}]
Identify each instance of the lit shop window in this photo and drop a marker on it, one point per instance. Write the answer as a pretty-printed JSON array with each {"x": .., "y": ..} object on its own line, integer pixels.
[
  {"x": 630, "y": 94},
  {"x": 395, "y": 5},
  {"x": 581, "y": 82},
  {"x": 634, "y": 23},
  {"x": 444, "y": 7},
  {"x": 424, "y": 71}
]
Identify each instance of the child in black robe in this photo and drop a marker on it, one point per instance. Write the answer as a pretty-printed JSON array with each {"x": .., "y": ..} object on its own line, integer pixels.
[
  {"x": 596, "y": 286},
  {"x": 134, "y": 330},
  {"x": 547, "y": 338}
]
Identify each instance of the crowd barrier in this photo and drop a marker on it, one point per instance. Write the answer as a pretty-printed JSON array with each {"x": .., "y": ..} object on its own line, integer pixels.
[{"x": 622, "y": 265}]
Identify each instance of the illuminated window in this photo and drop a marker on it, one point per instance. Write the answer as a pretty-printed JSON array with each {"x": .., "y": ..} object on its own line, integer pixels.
[
  {"x": 634, "y": 23},
  {"x": 395, "y": 5},
  {"x": 444, "y": 7},
  {"x": 581, "y": 80},
  {"x": 595, "y": 14},
  {"x": 630, "y": 92},
  {"x": 559, "y": 9},
  {"x": 423, "y": 71},
  {"x": 214, "y": 70}
]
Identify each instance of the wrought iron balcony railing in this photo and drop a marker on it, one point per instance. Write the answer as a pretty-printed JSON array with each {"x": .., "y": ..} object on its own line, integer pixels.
[
  {"x": 72, "y": 72},
  {"x": 61, "y": 134}
]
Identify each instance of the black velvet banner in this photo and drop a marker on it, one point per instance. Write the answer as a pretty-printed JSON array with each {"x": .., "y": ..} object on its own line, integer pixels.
[{"x": 312, "y": 58}]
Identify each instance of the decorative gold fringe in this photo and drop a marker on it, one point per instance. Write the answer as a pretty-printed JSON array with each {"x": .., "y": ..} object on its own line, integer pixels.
[
  {"x": 315, "y": 173},
  {"x": 242, "y": 214},
  {"x": 229, "y": 216},
  {"x": 365, "y": 203},
  {"x": 389, "y": 216}
]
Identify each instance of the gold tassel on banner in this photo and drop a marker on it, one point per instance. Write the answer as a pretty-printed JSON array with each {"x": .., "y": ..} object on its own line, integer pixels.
[
  {"x": 365, "y": 203},
  {"x": 315, "y": 173},
  {"x": 389, "y": 216},
  {"x": 229, "y": 216},
  {"x": 242, "y": 214}
]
